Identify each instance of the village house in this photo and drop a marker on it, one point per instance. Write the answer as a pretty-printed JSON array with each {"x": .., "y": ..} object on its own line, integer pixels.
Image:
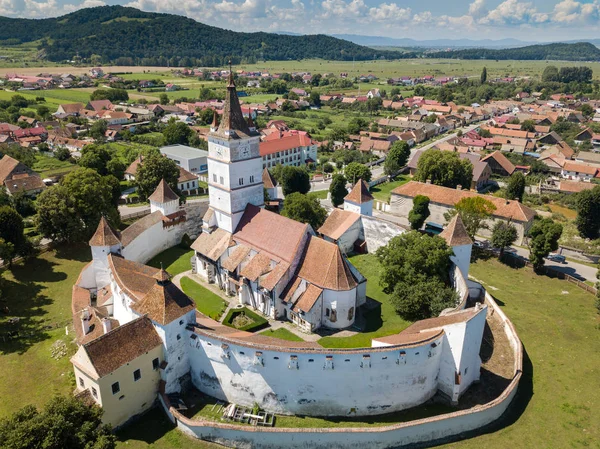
[
  {"x": 499, "y": 164},
  {"x": 289, "y": 147},
  {"x": 578, "y": 172},
  {"x": 443, "y": 199},
  {"x": 17, "y": 177}
]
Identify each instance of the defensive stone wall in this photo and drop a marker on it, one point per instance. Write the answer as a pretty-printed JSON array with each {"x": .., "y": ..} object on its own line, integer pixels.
[{"x": 436, "y": 428}]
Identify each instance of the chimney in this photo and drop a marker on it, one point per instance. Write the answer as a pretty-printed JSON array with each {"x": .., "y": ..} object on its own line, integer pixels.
[
  {"x": 458, "y": 187},
  {"x": 106, "y": 325},
  {"x": 85, "y": 321}
]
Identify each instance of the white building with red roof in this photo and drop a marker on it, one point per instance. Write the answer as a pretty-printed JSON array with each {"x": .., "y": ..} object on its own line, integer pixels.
[{"x": 289, "y": 147}]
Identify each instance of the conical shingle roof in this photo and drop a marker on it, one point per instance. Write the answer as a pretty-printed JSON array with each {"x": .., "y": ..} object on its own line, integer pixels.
[
  {"x": 104, "y": 235},
  {"x": 455, "y": 233},
  {"x": 233, "y": 124},
  {"x": 324, "y": 266},
  {"x": 359, "y": 193},
  {"x": 165, "y": 302},
  {"x": 163, "y": 193},
  {"x": 268, "y": 180}
]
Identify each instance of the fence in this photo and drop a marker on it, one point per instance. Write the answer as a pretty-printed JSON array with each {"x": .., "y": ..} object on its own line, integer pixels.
[{"x": 41, "y": 250}]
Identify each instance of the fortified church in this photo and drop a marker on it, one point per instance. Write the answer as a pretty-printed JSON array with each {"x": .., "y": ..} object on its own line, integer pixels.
[{"x": 140, "y": 337}]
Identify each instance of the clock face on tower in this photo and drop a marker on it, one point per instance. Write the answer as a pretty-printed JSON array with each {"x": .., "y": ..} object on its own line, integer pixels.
[{"x": 244, "y": 150}]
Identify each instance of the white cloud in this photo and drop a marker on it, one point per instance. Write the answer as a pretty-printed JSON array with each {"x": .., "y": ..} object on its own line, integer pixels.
[
  {"x": 569, "y": 12},
  {"x": 390, "y": 12},
  {"x": 249, "y": 8},
  {"x": 340, "y": 9},
  {"x": 513, "y": 12},
  {"x": 477, "y": 9}
]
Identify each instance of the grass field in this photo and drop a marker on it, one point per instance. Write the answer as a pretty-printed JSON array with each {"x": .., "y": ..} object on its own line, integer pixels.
[
  {"x": 48, "y": 166},
  {"x": 319, "y": 194},
  {"x": 281, "y": 333},
  {"x": 38, "y": 292},
  {"x": 378, "y": 325},
  {"x": 175, "y": 260},
  {"x": 206, "y": 301},
  {"x": 382, "y": 192}
]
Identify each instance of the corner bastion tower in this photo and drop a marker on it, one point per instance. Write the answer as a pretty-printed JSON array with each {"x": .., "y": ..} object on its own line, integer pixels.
[{"x": 234, "y": 163}]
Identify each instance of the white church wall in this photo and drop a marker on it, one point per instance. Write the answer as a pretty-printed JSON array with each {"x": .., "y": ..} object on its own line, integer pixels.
[
  {"x": 339, "y": 303},
  {"x": 325, "y": 383},
  {"x": 100, "y": 264},
  {"x": 462, "y": 258},
  {"x": 87, "y": 278},
  {"x": 151, "y": 242},
  {"x": 470, "y": 365},
  {"x": 346, "y": 241}
]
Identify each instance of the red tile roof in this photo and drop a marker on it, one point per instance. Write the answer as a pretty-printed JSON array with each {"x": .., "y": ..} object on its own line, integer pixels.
[
  {"x": 287, "y": 141},
  {"x": 360, "y": 193},
  {"x": 324, "y": 266}
]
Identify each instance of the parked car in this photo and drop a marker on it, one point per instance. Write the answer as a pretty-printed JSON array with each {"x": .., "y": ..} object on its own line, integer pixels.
[{"x": 557, "y": 258}]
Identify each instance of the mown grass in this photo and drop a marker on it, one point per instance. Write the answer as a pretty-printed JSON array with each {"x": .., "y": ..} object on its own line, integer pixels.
[
  {"x": 48, "y": 166},
  {"x": 382, "y": 192},
  {"x": 207, "y": 302},
  {"x": 319, "y": 194},
  {"x": 175, "y": 260},
  {"x": 281, "y": 333},
  {"x": 38, "y": 292},
  {"x": 379, "y": 323}
]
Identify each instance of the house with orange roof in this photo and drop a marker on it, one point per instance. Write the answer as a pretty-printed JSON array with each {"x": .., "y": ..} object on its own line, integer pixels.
[
  {"x": 443, "y": 199},
  {"x": 576, "y": 171}
]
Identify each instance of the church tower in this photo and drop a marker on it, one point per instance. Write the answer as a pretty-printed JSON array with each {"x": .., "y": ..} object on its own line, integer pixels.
[{"x": 234, "y": 164}]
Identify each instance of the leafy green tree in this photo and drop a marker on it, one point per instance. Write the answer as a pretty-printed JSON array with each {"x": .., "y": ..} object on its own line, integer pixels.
[
  {"x": 155, "y": 168},
  {"x": 65, "y": 422},
  {"x": 444, "y": 168},
  {"x": 483, "y": 78},
  {"x": 588, "y": 213},
  {"x": 587, "y": 110},
  {"x": 62, "y": 154},
  {"x": 419, "y": 212},
  {"x": 293, "y": 179},
  {"x": 396, "y": 158},
  {"x": 543, "y": 239},
  {"x": 474, "y": 211},
  {"x": 355, "y": 171},
  {"x": 98, "y": 130},
  {"x": 314, "y": 98},
  {"x": 70, "y": 211},
  {"x": 414, "y": 272},
  {"x": 95, "y": 157},
  {"x": 338, "y": 190},
  {"x": 164, "y": 99},
  {"x": 177, "y": 133},
  {"x": 305, "y": 209},
  {"x": 528, "y": 125},
  {"x": 11, "y": 231},
  {"x": 550, "y": 74},
  {"x": 516, "y": 186},
  {"x": 504, "y": 234},
  {"x": 113, "y": 95}
]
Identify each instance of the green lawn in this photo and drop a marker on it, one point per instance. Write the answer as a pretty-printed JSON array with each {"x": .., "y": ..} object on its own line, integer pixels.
[
  {"x": 319, "y": 194},
  {"x": 175, "y": 260},
  {"x": 378, "y": 324},
  {"x": 38, "y": 292},
  {"x": 382, "y": 192},
  {"x": 49, "y": 166},
  {"x": 206, "y": 301},
  {"x": 281, "y": 333}
]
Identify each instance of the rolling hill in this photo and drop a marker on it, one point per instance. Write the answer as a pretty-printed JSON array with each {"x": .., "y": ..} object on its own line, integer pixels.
[
  {"x": 128, "y": 36},
  {"x": 580, "y": 51}
]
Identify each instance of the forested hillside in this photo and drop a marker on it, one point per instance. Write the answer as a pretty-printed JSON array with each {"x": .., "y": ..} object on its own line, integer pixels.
[
  {"x": 581, "y": 51},
  {"x": 127, "y": 36}
]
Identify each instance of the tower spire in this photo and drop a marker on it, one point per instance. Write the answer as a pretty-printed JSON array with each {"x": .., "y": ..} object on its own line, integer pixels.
[{"x": 230, "y": 81}]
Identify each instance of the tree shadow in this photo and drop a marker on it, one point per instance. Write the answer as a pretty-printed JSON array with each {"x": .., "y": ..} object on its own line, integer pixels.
[
  {"x": 168, "y": 257},
  {"x": 149, "y": 428},
  {"x": 79, "y": 252},
  {"x": 37, "y": 270}
]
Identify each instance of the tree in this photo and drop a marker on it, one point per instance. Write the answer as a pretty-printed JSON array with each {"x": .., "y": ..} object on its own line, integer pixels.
[
  {"x": 504, "y": 234},
  {"x": 62, "y": 154},
  {"x": 473, "y": 211},
  {"x": 484, "y": 75},
  {"x": 419, "y": 212},
  {"x": 11, "y": 232},
  {"x": 587, "y": 110},
  {"x": 550, "y": 74},
  {"x": 98, "y": 129},
  {"x": 528, "y": 125},
  {"x": 155, "y": 168},
  {"x": 396, "y": 158},
  {"x": 113, "y": 95},
  {"x": 305, "y": 209},
  {"x": 293, "y": 179},
  {"x": 65, "y": 422},
  {"x": 95, "y": 157},
  {"x": 543, "y": 239},
  {"x": 338, "y": 190},
  {"x": 588, "y": 213},
  {"x": 177, "y": 133},
  {"x": 444, "y": 168},
  {"x": 415, "y": 272},
  {"x": 314, "y": 98},
  {"x": 164, "y": 99},
  {"x": 355, "y": 171},
  {"x": 70, "y": 211},
  {"x": 516, "y": 186}
]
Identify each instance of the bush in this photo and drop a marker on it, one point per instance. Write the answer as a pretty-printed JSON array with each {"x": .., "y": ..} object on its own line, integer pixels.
[{"x": 258, "y": 322}]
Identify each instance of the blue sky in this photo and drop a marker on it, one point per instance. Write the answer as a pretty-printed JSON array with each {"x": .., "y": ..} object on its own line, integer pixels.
[{"x": 476, "y": 19}]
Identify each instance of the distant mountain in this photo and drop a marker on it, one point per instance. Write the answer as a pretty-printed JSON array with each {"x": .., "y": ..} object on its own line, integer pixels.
[
  {"x": 381, "y": 41},
  {"x": 581, "y": 51},
  {"x": 128, "y": 36}
]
